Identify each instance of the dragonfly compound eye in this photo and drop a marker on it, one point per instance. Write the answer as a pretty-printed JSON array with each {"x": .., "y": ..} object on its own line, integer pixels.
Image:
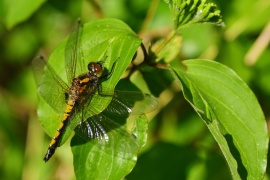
[{"x": 96, "y": 68}]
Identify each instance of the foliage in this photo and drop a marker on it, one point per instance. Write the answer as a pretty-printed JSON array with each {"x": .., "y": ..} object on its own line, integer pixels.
[{"x": 179, "y": 146}]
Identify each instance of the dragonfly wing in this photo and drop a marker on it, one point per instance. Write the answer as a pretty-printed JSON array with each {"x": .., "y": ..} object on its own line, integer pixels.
[
  {"x": 82, "y": 112},
  {"x": 73, "y": 53},
  {"x": 107, "y": 134},
  {"x": 50, "y": 86},
  {"x": 123, "y": 103},
  {"x": 136, "y": 103}
]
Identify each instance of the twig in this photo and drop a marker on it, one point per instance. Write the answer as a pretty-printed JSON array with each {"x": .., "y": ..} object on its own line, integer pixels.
[
  {"x": 96, "y": 8},
  {"x": 150, "y": 14},
  {"x": 258, "y": 47}
]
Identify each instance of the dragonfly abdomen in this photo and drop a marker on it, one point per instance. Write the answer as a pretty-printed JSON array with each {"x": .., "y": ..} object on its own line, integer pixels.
[{"x": 60, "y": 130}]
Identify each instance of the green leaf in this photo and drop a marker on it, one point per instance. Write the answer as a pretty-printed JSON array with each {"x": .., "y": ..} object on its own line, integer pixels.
[
  {"x": 186, "y": 13},
  {"x": 193, "y": 11},
  {"x": 232, "y": 114},
  {"x": 14, "y": 12},
  {"x": 114, "y": 159},
  {"x": 106, "y": 39},
  {"x": 164, "y": 161}
]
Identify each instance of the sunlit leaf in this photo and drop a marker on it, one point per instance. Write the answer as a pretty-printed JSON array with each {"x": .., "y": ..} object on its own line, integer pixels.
[
  {"x": 107, "y": 39},
  {"x": 232, "y": 114},
  {"x": 14, "y": 12},
  {"x": 193, "y": 11},
  {"x": 112, "y": 159}
]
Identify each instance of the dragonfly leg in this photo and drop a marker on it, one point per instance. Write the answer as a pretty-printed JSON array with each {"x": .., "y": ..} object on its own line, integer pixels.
[
  {"x": 108, "y": 75},
  {"x": 100, "y": 91},
  {"x": 104, "y": 78}
]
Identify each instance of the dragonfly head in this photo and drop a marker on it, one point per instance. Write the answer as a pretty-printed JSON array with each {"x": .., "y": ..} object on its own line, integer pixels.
[{"x": 95, "y": 68}]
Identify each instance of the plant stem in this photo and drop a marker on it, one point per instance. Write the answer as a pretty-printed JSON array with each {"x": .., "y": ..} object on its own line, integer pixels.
[
  {"x": 145, "y": 54},
  {"x": 166, "y": 41},
  {"x": 150, "y": 15},
  {"x": 169, "y": 37}
]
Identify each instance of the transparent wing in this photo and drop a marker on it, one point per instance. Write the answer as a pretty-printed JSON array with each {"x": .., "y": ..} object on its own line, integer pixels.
[
  {"x": 107, "y": 134},
  {"x": 83, "y": 111},
  {"x": 136, "y": 103},
  {"x": 50, "y": 86},
  {"x": 123, "y": 103},
  {"x": 73, "y": 53}
]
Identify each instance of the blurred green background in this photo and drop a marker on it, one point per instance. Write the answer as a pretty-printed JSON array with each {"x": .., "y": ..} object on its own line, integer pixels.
[{"x": 179, "y": 144}]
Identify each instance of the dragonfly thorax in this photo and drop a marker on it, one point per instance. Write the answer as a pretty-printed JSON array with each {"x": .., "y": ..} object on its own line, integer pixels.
[{"x": 82, "y": 85}]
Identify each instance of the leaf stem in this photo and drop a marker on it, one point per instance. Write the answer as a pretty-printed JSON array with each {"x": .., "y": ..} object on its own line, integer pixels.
[
  {"x": 145, "y": 54},
  {"x": 165, "y": 42},
  {"x": 169, "y": 38}
]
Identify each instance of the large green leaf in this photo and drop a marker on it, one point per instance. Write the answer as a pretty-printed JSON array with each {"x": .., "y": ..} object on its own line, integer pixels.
[
  {"x": 106, "y": 39},
  {"x": 114, "y": 155},
  {"x": 15, "y": 11},
  {"x": 109, "y": 160},
  {"x": 232, "y": 114}
]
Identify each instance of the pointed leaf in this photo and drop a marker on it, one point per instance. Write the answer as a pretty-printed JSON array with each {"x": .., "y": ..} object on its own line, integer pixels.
[
  {"x": 106, "y": 39},
  {"x": 14, "y": 12},
  {"x": 232, "y": 114},
  {"x": 98, "y": 159}
]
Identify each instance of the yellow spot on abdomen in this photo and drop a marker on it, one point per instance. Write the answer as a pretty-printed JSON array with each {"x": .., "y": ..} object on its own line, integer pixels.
[
  {"x": 52, "y": 142},
  {"x": 68, "y": 110}
]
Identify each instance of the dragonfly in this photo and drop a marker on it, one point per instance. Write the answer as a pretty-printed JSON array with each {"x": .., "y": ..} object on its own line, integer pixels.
[{"x": 73, "y": 100}]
